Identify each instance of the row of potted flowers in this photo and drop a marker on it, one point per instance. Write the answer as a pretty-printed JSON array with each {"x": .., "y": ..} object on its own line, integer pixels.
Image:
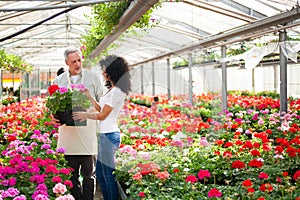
[
  {"x": 248, "y": 152},
  {"x": 30, "y": 165},
  {"x": 168, "y": 151}
]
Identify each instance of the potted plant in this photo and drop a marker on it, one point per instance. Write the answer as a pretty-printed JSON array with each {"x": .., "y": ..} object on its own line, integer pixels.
[{"x": 62, "y": 101}]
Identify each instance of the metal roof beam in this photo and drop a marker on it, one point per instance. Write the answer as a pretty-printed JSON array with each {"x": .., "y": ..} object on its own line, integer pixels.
[
  {"x": 221, "y": 38},
  {"x": 197, "y": 31},
  {"x": 220, "y": 10},
  {"x": 86, "y": 3},
  {"x": 244, "y": 9},
  {"x": 134, "y": 12}
]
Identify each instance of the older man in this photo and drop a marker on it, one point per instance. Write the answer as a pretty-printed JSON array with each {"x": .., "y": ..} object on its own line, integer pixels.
[{"x": 80, "y": 142}]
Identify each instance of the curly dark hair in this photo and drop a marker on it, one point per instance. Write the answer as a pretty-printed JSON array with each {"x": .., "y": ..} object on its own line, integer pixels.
[{"x": 117, "y": 69}]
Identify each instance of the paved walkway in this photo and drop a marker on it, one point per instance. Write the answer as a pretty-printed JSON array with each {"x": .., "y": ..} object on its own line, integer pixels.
[{"x": 98, "y": 194}]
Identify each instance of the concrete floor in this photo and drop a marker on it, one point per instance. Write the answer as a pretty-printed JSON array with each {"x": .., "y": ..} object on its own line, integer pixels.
[{"x": 98, "y": 194}]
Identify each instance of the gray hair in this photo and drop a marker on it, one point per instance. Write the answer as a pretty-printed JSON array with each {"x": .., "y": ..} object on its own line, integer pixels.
[{"x": 71, "y": 50}]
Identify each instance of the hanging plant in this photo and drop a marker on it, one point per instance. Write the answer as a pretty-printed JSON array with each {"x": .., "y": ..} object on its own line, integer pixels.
[
  {"x": 13, "y": 63},
  {"x": 104, "y": 18}
]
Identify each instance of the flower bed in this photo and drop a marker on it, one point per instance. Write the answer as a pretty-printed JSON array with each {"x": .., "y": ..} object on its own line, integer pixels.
[
  {"x": 30, "y": 166},
  {"x": 172, "y": 150},
  {"x": 249, "y": 152}
]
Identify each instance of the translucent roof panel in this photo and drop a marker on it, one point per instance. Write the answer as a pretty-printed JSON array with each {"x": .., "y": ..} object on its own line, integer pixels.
[{"x": 40, "y": 32}]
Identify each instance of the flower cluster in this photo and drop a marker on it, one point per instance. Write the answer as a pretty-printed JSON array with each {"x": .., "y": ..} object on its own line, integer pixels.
[
  {"x": 247, "y": 152},
  {"x": 30, "y": 165},
  {"x": 63, "y": 98}
]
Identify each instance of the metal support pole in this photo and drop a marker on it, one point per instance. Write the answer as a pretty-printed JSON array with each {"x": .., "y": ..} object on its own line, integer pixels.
[
  {"x": 142, "y": 79},
  {"x": 168, "y": 78},
  {"x": 190, "y": 79},
  {"x": 275, "y": 78},
  {"x": 1, "y": 85},
  {"x": 253, "y": 79},
  {"x": 153, "y": 80},
  {"x": 224, "y": 79},
  {"x": 283, "y": 75}
]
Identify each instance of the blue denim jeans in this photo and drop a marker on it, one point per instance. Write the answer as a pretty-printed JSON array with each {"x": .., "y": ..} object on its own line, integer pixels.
[{"x": 108, "y": 145}]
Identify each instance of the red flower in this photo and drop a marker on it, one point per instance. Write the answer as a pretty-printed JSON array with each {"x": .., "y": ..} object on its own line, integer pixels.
[
  {"x": 238, "y": 164},
  {"x": 247, "y": 183},
  {"x": 261, "y": 198},
  {"x": 251, "y": 190},
  {"x": 176, "y": 170},
  {"x": 263, "y": 175},
  {"x": 296, "y": 175},
  {"x": 228, "y": 144},
  {"x": 214, "y": 192},
  {"x": 52, "y": 89},
  {"x": 11, "y": 138},
  {"x": 292, "y": 129},
  {"x": 142, "y": 194},
  {"x": 248, "y": 145},
  {"x": 267, "y": 187},
  {"x": 285, "y": 174},
  {"x": 255, "y": 152},
  {"x": 255, "y": 163}
]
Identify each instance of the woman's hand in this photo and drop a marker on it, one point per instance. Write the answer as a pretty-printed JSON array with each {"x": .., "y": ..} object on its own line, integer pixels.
[
  {"x": 86, "y": 92},
  {"x": 81, "y": 116}
]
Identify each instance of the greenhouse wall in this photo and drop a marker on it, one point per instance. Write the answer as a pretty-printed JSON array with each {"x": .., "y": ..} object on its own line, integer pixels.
[
  {"x": 205, "y": 79},
  {"x": 209, "y": 79}
]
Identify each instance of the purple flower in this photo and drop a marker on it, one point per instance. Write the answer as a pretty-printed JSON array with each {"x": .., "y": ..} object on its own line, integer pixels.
[
  {"x": 60, "y": 150},
  {"x": 63, "y": 90}
]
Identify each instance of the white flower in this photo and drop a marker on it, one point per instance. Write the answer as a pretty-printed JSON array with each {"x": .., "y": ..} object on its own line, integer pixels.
[
  {"x": 175, "y": 165},
  {"x": 165, "y": 133},
  {"x": 179, "y": 136},
  {"x": 260, "y": 159},
  {"x": 186, "y": 169}
]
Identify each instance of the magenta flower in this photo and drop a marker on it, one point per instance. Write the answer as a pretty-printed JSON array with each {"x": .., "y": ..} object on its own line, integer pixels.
[
  {"x": 203, "y": 174},
  {"x": 63, "y": 90},
  {"x": 191, "y": 178},
  {"x": 214, "y": 192}
]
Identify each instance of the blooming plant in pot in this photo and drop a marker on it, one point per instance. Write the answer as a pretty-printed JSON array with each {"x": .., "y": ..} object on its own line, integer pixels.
[{"x": 62, "y": 101}]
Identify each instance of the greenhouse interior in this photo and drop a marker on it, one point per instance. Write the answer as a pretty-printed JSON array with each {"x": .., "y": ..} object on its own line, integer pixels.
[{"x": 213, "y": 112}]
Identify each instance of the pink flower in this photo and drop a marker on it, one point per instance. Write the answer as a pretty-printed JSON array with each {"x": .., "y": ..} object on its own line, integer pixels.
[
  {"x": 203, "y": 174},
  {"x": 214, "y": 192},
  {"x": 203, "y": 142},
  {"x": 41, "y": 197},
  {"x": 63, "y": 90},
  {"x": 162, "y": 175},
  {"x": 137, "y": 176},
  {"x": 191, "y": 178},
  {"x": 65, "y": 197},
  {"x": 59, "y": 188}
]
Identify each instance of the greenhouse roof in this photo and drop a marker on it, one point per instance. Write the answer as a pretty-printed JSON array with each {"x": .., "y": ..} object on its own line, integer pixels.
[{"x": 39, "y": 31}]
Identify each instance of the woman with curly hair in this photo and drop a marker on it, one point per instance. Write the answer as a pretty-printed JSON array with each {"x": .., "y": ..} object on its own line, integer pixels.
[{"x": 115, "y": 71}]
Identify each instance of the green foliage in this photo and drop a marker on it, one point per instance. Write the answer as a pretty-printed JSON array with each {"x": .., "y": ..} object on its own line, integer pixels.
[
  {"x": 13, "y": 63},
  {"x": 9, "y": 99},
  {"x": 105, "y": 17},
  {"x": 271, "y": 94}
]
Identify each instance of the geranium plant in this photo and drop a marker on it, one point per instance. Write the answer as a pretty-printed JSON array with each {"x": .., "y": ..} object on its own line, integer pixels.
[{"x": 63, "y": 98}]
